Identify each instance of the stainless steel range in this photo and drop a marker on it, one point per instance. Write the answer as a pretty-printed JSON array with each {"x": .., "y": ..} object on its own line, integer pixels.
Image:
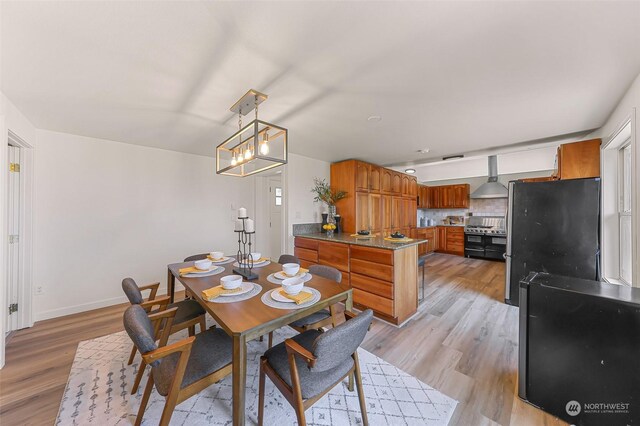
[{"x": 485, "y": 237}]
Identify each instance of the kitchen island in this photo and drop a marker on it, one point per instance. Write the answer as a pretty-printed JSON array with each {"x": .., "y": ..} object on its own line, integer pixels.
[{"x": 383, "y": 274}]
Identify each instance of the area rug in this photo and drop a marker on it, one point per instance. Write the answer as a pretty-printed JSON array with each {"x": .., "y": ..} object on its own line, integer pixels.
[{"x": 99, "y": 386}]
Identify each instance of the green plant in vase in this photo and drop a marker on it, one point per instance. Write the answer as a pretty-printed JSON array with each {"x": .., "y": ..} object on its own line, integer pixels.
[{"x": 324, "y": 193}]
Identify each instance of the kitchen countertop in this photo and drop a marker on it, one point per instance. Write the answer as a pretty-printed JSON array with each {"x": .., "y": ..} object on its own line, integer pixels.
[{"x": 378, "y": 242}]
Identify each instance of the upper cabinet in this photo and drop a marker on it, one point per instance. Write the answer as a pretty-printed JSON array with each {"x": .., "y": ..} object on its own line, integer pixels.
[
  {"x": 446, "y": 197},
  {"x": 424, "y": 200},
  {"x": 379, "y": 199},
  {"x": 579, "y": 160}
]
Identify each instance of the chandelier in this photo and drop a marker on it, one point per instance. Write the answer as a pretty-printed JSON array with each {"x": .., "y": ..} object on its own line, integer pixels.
[{"x": 254, "y": 148}]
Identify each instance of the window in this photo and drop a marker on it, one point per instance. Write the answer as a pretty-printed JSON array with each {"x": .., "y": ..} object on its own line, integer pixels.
[
  {"x": 278, "y": 196},
  {"x": 624, "y": 212}
]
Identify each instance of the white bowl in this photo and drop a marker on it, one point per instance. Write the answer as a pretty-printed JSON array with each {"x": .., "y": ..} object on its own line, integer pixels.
[
  {"x": 203, "y": 265},
  {"x": 229, "y": 282},
  {"x": 292, "y": 286},
  {"x": 216, "y": 255},
  {"x": 255, "y": 256},
  {"x": 290, "y": 269}
]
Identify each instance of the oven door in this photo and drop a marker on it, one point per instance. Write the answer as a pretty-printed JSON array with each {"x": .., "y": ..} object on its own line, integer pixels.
[
  {"x": 495, "y": 247},
  {"x": 473, "y": 245}
]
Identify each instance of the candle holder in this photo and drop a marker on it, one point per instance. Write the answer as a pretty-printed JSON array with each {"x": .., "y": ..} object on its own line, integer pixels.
[{"x": 245, "y": 261}]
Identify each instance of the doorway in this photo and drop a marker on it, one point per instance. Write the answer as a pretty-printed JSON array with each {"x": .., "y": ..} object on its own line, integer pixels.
[
  {"x": 13, "y": 242},
  {"x": 276, "y": 197}
]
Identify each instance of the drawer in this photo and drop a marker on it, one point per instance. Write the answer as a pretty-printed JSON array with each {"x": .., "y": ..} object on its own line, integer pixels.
[
  {"x": 334, "y": 254},
  {"x": 306, "y": 263},
  {"x": 306, "y": 254},
  {"x": 373, "y": 301},
  {"x": 371, "y": 269},
  {"x": 372, "y": 254},
  {"x": 306, "y": 243},
  {"x": 372, "y": 285}
]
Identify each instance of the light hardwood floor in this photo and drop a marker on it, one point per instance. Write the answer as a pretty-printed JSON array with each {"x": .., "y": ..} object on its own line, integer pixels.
[{"x": 463, "y": 342}]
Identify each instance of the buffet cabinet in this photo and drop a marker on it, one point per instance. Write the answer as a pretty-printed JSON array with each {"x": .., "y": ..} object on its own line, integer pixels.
[{"x": 378, "y": 199}]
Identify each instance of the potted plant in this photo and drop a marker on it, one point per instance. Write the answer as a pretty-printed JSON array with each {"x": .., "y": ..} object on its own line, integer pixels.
[{"x": 324, "y": 193}]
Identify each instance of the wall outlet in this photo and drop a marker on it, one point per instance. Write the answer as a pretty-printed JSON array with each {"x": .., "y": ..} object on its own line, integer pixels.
[{"x": 38, "y": 290}]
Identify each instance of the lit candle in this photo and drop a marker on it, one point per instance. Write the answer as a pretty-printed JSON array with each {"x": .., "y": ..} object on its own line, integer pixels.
[
  {"x": 238, "y": 225},
  {"x": 250, "y": 226},
  {"x": 242, "y": 212}
]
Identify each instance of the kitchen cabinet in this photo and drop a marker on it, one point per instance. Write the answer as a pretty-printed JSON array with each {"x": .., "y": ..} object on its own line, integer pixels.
[
  {"x": 371, "y": 202},
  {"x": 450, "y": 240},
  {"x": 429, "y": 234},
  {"x": 449, "y": 197},
  {"x": 579, "y": 160},
  {"x": 386, "y": 180},
  {"x": 423, "y": 197},
  {"x": 383, "y": 279}
]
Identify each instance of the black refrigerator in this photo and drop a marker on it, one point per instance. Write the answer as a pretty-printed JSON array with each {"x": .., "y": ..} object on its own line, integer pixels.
[
  {"x": 579, "y": 349},
  {"x": 552, "y": 227}
]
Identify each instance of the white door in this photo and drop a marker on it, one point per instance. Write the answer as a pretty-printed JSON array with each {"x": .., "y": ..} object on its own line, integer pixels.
[
  {"x": 276, "y": 197},
  {"x": 13, "y": 248}
]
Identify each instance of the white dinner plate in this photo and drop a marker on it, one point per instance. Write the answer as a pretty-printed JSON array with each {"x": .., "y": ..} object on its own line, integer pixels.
[
  {"x": 275, "y": 295},
  {"x": 246, "y": 288},
  {"x": 255, "y": 265}
]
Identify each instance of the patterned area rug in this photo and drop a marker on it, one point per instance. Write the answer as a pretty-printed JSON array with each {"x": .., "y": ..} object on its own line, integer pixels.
[{"x": 99, "y": 386}]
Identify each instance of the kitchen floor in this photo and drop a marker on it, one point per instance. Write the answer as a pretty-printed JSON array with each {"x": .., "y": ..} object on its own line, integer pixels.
[{"x": 464, "y": 342}]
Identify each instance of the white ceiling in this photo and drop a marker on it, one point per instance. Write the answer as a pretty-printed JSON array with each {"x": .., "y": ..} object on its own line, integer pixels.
[{"x": 451, "y": 76}]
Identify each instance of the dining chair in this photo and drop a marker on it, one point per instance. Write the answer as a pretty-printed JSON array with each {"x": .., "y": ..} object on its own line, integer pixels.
[
  {"x": 288, "y": 258},
  {"x": 323, "y": 317},
  {"x": 195, "y": 257},
  {"x": 307, "y": 366},
  {"x": 181, "y": 369},
  {"x": 188, "y": 314}
]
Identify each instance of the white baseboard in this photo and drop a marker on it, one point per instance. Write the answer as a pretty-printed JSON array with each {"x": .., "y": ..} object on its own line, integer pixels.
[{"x": 69, "y": 310}]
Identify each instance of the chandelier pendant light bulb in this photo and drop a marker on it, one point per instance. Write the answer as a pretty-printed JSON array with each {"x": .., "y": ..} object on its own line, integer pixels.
[
  {"x": 247, "y": 154},
  {"x": 264, "y": 146},
  {"x": 234, "y": 161}
]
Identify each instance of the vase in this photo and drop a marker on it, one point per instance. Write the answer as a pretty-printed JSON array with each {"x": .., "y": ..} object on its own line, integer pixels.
[
  {"x": 324, "y": 222},
  {"x": 331, "y": 219}
]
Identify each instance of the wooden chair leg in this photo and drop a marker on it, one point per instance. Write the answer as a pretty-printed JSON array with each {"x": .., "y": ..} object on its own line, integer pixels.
[
  {"x": 350, "y": 382},
  {"x": 192, "y": 330},
  {"x": 363, "y": 405},
  {"x": 145, "y": 400},
  {"x": 133, "y": 355},
  {"x": 169, "y": 406},
  {"x": 261, "y": 393},
  {"x": 203, "y": 324},
  {"x": 261, "y": 338},
  {"x": 270, "y": 339},
  {"x": 136, "y": 382}
]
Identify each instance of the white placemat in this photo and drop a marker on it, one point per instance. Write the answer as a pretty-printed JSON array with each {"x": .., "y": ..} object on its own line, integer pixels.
[
  {"x": 259, "y": 265},
  {"x": 257, "y": 288},
  {"x": 272, "y": 279},
  {"x": 224, "y": 262},
  {"x": 214, "y": 271},
  {"x": 268, "y": 300}
]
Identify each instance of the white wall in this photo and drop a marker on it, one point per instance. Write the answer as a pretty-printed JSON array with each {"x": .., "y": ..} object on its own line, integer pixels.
[
  {"x": 107, "y": 210},
  {"x": 301, "y": 208}
]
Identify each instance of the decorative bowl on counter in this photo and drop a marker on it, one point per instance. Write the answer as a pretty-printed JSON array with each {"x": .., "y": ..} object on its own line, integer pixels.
[
  {"x": 397, "y": 235},
  {"x": 363, "y": 232}
]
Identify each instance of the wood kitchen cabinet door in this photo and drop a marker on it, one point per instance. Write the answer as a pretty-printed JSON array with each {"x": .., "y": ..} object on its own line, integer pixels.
[
  {"x": 396, "y": 183},
  {"x": 409, "y": 213},
  {"x": 387, "y": 214},
  {"x": 362, "y": 176},
  {"x": 397, "y": 205},
  {"x": 441, "y": 240},
  {"x": 406, "y": 185},
  {"x": 362, "y": 211},
  {"x": 375, "y": 212},
  {"x": 386, "y": 181},
  {"x": 455, "y": 240},
  {"x": 375, "y": 173},
  {"x": 413, "y": 186},
  {"x": 461, "y": 196},
  {"x": 432, "y": 235}
]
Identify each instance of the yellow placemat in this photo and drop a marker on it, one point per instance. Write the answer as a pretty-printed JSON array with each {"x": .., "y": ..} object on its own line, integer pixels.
[
  {"x": 398, "y": 240},
  {"x": 301, "y": 271},
  {"x": 364, "y": 236},
  {"x": 190, "y": 269},
  {"x": 299, "y": 298},
  {"x": 213, "y": 292}
]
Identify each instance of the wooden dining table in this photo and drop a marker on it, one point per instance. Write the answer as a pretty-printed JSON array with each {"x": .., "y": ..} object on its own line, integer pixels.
[{"x": 249, "y": 319}]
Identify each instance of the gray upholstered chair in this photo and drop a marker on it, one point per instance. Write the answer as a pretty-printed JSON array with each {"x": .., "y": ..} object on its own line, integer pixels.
[
  {"x": 323, "y": 317},
  {"x": 181, "y": 369},
  {"x": 188, "y": 314},
  {"x": 195, "y": 257},
  {"x": 288, "y": 258},
  {"x": 310, "y": 364}
]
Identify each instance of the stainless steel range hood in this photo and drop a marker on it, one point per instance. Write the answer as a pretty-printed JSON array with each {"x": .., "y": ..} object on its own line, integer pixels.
[{"x": 493, "y": 188}]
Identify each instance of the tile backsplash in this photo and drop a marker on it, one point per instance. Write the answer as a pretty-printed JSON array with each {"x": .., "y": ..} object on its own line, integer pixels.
[{"x": 477, "y": 207}]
